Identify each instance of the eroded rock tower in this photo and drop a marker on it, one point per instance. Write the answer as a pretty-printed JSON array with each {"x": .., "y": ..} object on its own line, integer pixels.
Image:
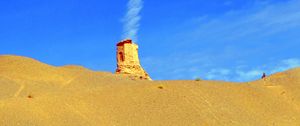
[{"x": 128, "y": 62}]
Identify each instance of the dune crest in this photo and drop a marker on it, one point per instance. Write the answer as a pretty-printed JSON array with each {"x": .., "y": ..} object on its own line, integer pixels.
[{"x": 34, "y": 93}]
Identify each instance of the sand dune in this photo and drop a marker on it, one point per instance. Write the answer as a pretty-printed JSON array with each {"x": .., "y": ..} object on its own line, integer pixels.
[{"x": 36, "y": 94}]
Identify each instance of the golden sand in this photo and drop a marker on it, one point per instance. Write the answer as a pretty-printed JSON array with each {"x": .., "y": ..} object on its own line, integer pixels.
[{"x": 36, "y": 94}]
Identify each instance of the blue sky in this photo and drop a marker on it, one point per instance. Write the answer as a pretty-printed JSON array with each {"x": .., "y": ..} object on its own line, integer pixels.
[{"x": 231, "y": 40}]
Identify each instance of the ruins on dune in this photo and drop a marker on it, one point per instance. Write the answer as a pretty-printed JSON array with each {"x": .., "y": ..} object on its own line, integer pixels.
[{"x": 128, "y": 62}]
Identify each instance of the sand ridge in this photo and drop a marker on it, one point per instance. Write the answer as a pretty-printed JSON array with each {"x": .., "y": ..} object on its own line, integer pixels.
[{"x": 34, "y": 93}]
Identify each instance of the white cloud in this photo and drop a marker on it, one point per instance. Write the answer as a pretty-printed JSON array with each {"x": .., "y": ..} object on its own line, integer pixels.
[
  {"x": 241, "y": 75},
  {"x": 169, "y": 68},
  {"x": 233, "y": 74},
  {"x": 256, "y": 22},
  {"x": 286, "y": 64},
  {"x": 239, "y": 35},
  {"x": 218, "y": 74},
  {"x": 132, "y": 19},
  {"x": 247, "y": 75}
]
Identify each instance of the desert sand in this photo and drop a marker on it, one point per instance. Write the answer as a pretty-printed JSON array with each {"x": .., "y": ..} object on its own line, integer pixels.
[{"x": 36, "y": 94}]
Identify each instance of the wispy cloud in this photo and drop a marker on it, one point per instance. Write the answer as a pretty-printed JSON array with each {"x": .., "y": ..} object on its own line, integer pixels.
[
  {"x": 256, "y": 22},
  {"x": 286, "y": 64},
  {"x": 237, "y": 46},
  {"x": 132, "y": 19},
  {"x": 238, "y": 74},
  {"x": 221, "y": 74}
]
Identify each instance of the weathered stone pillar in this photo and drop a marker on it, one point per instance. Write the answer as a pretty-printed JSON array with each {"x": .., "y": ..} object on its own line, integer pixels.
[{"x": 128, "y": 62}]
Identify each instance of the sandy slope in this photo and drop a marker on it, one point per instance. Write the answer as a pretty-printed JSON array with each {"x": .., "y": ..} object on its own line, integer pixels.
[{"x": 75, "y": 96}]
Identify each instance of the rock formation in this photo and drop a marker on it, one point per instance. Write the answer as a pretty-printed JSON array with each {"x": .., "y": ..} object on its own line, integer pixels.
[{"x": 128, "y": 62}]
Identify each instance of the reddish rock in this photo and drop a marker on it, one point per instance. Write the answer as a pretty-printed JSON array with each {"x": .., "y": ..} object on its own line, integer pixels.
[{"x": 128, "y": 62}]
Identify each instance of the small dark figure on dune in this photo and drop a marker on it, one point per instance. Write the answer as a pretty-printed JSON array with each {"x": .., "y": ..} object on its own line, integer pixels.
[{"x": 264, "y": 76}]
